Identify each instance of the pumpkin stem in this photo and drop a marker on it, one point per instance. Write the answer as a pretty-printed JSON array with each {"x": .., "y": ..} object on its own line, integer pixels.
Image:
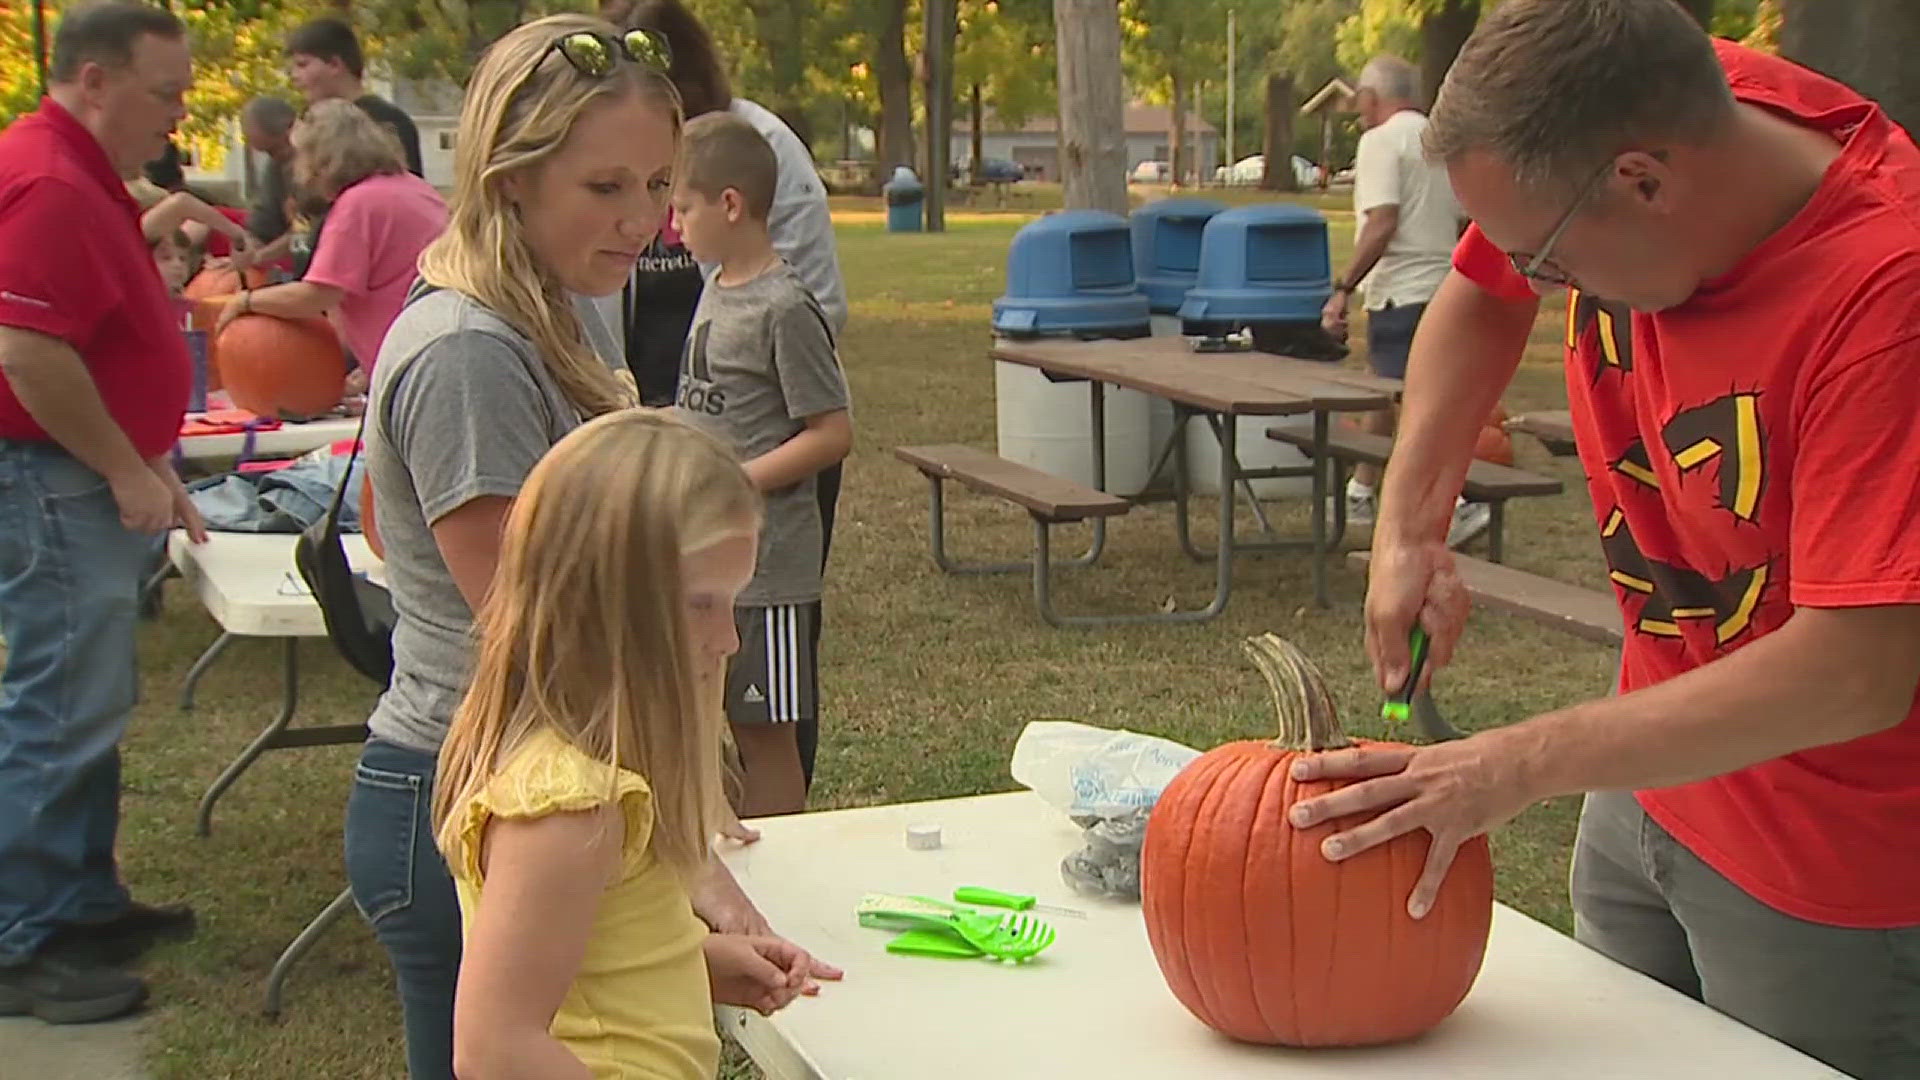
[{"x": 1301, "y": 701}]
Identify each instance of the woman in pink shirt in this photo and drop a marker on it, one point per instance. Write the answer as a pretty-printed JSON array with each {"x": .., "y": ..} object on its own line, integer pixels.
[{"x": 379, "y": 218}]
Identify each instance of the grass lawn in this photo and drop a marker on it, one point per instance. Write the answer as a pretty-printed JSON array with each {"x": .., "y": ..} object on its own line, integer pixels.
[{"x": 927, "y": 678}]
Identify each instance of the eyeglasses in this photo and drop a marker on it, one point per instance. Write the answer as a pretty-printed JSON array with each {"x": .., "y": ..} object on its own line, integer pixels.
[
  {"x": 592, "y": 53},
  {"x": 1539, "y": 266}
]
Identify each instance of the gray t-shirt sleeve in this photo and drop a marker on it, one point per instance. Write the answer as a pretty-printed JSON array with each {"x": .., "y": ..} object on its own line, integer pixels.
[
  {"x": 468, "y": 420},
  {"x": 804, "y": 360}
]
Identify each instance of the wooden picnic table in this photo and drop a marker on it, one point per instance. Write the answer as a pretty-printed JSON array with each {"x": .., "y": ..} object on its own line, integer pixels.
[{"x": 1215, "y": 387}]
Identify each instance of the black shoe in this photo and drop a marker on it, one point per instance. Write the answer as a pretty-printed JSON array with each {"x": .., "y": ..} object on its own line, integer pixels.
[
  {"x": 128, "y": 935},
  {"x": 66, "y": 988}
]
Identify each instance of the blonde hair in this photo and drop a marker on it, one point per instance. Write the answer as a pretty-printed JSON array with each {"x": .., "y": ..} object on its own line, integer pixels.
[
  {"x": 522, "y": 102},
  {"x": 721, "y": 151},
  {"x": 1555, "y": 88},
  {"x": 336, "y": 145},
  {"x": 584, "y": 631}
]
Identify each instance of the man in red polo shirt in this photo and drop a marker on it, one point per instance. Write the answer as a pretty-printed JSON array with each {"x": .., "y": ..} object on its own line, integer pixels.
[
  {"x": 1742, "y": 238},
  {"x": 95, "y": 381}
]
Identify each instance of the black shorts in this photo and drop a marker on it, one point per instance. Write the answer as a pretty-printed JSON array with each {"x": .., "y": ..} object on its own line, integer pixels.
[
  {"x": 775, "y": 677},
  {"x": 1390, "y": 338}
]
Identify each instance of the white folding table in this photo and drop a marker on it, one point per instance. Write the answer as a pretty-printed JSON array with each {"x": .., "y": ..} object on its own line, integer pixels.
[
  {"x": 287, "y": 440},
  {"x": 1094, "y": 1007},
  {"x": 248, "y": 583}
]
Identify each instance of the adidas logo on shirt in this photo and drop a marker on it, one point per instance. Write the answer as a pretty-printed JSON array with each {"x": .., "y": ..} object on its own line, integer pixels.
[{"x": 753, "y": 696}]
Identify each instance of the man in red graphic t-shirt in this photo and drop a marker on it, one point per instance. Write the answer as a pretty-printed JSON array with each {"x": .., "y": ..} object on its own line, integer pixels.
[
  {"x": 1741, "y": 238},
  {"x": 95, "y": 379}
]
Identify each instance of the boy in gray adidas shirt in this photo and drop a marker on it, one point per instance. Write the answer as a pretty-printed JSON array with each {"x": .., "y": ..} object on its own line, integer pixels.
[{"x": 759, "y": 371}]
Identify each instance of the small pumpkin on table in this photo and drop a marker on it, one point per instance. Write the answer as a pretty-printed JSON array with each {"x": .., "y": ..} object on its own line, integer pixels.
[{"x": 1261, "y": 936}]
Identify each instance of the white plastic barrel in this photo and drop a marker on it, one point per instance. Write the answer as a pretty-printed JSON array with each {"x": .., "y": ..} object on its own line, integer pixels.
[
  {"x": 1049, "y": 426},
  {"x": 1254, "y": 450}
]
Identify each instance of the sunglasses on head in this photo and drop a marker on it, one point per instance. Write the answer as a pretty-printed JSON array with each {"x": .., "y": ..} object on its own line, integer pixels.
[{"x": 593, "y": 53}]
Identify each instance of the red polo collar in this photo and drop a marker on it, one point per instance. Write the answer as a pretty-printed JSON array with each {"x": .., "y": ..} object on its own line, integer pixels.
[{"x": 87, "y": 152}]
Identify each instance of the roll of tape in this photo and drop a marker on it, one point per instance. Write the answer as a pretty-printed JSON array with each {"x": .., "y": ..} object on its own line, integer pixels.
[{"x": 923, "y": 837}]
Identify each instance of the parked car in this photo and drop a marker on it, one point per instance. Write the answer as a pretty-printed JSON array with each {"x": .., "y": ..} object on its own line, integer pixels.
[
  {"x": 1249, "y": 171},
  {"x": 992, "y": 171},
  {"x": 1150, "y": 172}
]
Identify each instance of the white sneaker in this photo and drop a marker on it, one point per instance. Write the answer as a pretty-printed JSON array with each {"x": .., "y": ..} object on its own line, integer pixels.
[
  {"x": 1359, "y": 509},
  {"x": 1470, "y": 519}
]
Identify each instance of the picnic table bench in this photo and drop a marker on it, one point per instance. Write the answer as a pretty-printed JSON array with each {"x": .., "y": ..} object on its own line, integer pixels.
[
  {"x": 1584, "y": 613},
  {"x": 1486, "y": 481},
  {"x": 1554, "y": 429},
  {"x": 1050, "y": 500}
]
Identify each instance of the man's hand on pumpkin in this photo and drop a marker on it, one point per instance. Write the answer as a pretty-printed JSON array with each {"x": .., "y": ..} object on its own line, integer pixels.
[{"x": 1454, "y": 790}]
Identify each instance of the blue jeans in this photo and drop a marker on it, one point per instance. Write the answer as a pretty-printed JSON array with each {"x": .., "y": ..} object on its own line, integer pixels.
[
  {"x": 402, "y": 887},
  {"x": 69, "y": 588}
]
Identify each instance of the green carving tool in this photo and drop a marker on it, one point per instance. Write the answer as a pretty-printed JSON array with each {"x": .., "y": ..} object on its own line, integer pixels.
[{"x": 1399, "y": 705}]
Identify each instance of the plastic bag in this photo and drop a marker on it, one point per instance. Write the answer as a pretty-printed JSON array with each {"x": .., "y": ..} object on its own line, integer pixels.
[
  {"x": 1099, "y": 772},
  {"x": 1107, "y": 781}
]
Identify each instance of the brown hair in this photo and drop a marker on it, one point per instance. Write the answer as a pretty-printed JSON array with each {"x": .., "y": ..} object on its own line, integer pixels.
[
  {"x": 328, "y": 39},
  {"x": 696, "y": 69},
  {"x": 105, "y": 34},
  {"x": 1557, "y": 87},
  {"x": 721, "y": 151},
  {"x": 337, "y": 145},
  {"x": 584, "y": 632}
]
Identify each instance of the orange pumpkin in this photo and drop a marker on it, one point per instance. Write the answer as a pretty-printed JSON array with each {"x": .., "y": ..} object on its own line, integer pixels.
[
  {"x": 1495, "y": 445},
  {"x": 275, "y": 367},
  {"x": 367, "y": 526},
  {"x": 1265, "y": 940},
  {"x": 223, "y": 282}
]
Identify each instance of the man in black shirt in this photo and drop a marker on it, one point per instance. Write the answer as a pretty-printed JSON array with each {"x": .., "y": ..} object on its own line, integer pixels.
[{"x": 323, "y": 60}]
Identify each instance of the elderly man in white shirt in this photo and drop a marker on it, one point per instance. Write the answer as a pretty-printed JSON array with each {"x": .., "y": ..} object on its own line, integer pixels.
[{"x": 1408, "y": 225}]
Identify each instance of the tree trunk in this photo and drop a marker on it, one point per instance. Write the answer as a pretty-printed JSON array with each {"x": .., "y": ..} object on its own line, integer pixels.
[
  {"x": 941, "y": 30},
  {"x": 1278, "y": 144},
  {"x": 979, "y": 140},
  {"x": 1441, "y": 35},
  {"x": 1177, "y": 133},
  {"x": 1867, "y": 44},
  {"x": 895, "y": 76},
  {"x": 784, "y": 22},
  {"x": 1093, "y": 147},
  {"x": 1701, "y": 10}
]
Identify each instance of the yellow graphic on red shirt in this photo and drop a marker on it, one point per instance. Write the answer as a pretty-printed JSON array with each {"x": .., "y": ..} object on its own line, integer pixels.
[
  {"x": 1677, "y": 594},
  {"x": 1614, "y": 324},
  {"x": 1726, "y": 430},
  {"x": 1634, "y": 464}
]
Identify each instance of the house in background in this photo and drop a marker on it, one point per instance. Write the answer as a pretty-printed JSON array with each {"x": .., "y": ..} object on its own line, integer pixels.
[{"x": 1035, "y": 146}]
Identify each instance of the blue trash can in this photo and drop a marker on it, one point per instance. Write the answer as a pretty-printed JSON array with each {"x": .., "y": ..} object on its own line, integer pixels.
[
  {"x": 906, "y": 200},
  {"x": 1166, "y": 248}
]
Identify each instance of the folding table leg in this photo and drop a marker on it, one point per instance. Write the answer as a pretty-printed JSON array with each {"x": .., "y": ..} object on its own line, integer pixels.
[
  {"x": 200, "y": 667},
  {"x": 300, "y": 946},
  {"x": 290, "y": 699}
]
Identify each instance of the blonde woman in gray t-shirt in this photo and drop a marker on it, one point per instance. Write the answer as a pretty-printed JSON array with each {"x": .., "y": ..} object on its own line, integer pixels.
[{"x": 566, "y": 146}]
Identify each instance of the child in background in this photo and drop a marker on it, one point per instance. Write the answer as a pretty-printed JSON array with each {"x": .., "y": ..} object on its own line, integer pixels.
[
  {"x": 581, "y": 779},
  {"x": 174, "y": 256},
  {"x": 760, "y": 371}
]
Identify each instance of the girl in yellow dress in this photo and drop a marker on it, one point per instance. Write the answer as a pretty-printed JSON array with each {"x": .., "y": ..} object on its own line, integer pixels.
[{"x": 581, "y": 780}]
